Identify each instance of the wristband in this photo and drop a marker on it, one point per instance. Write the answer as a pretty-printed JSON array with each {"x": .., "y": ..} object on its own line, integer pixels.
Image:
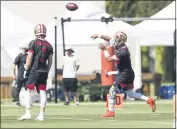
[
  {"x": 106, "y": 53},
  {"x": 115, "y": 57},
  {"x": 112, "y": 72}
]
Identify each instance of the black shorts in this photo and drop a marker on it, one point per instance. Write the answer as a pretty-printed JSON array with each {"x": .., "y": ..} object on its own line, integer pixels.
[
  {"x": 70, "y": 84},
  {"x": 124, "y": 80},
  {"x": 20, "y": 82},
  {"x": 38, "y": 79}
]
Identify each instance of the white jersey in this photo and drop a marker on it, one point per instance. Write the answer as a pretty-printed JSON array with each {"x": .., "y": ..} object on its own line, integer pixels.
[{"x": 70, "y": 65}]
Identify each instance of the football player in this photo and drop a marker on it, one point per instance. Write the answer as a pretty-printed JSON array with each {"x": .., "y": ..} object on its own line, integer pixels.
[
  {"x": 125, "y": 78},
  {"x": 20, "y": 61},
  {"x": 38, "y": 64}
]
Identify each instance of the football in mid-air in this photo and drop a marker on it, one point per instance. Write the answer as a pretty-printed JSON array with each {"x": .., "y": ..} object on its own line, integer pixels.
[{"x": 72, "y": 6}]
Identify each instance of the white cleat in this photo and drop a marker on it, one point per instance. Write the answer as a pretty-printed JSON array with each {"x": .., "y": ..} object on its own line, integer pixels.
[
  {"x": 77, "y": 103},
  {"x": 40, "y": 118},
  {"x": 25, "y": 117}
]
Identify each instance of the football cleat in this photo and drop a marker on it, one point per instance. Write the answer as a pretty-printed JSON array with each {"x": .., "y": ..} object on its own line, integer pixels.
[
  {"x": 77, "y": 103},
  {"x": 40, "y": 118},
  {"x": 25, "y": 117},
  {"x": 18, "y": 104},
  {"x": 152, "y": 104},
  {"x": 108, "y": 114},
  {"x": 66, "y": 103}
]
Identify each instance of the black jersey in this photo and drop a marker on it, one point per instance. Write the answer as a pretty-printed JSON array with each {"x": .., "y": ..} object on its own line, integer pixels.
[
  {"x": 124, "y": 62},
  {"x": 41, "y": 50},
  {"x": 20, "y": 61}
]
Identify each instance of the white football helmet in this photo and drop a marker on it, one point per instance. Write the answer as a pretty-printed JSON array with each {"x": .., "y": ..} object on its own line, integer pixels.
[
  {"x": 119, "y": 37},
  {"x": 40, "y": 29}
]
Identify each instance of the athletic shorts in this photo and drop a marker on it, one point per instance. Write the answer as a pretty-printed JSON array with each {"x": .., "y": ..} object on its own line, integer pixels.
[
  {"x": 124, "y": 80},
  {"x": 38, "y": 79},
  {"x": 70, "y": 84}
]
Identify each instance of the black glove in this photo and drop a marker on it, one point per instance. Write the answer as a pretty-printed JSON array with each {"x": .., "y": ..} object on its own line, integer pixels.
[{"x": 26, "y": 74}]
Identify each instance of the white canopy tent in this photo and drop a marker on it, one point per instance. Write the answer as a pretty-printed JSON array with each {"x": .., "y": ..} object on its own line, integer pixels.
[
  {"x": 6, "y": 63},
  {"x": 13, "y": 31},
  {"x": 158, "y": 32},
  {"x": 13, "y": 28}
]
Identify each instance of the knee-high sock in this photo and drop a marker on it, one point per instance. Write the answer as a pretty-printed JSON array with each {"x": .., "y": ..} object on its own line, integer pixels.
[
  {"x": 22, "y": 96},
  {"x": 28, "y": 101},
  {"x": 111, "y": 103},
  {"x": 133, "y": 94},
  {"x": 43, "y": 98},
  {"x": 111, "y": 99},
  {"x": 42, "y": 102}
]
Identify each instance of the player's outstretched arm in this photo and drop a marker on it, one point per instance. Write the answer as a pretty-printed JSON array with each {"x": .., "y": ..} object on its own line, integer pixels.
[{"x": 105, "y": 37}]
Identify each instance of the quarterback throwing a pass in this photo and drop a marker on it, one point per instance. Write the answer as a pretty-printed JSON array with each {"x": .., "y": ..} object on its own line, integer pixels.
[{"x": 126, "y": 75}]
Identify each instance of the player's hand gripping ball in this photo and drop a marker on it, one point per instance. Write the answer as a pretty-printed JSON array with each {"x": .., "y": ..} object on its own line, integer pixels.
[{"x": 72, "y": 6}]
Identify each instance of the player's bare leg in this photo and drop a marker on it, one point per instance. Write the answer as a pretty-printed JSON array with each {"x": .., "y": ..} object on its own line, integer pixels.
[
  {"x": 174, "y": 110},
  {"x": 66, "y": 97},
  {"x": 42, "y": 105},
  {"x": 132, "y": 94},
  {"x": 75, "y": 98},
  {"x": 27, "y": 115}
]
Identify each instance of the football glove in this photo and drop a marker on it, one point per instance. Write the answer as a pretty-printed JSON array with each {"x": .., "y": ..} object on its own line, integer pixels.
[{"x": 26, "y": 74}]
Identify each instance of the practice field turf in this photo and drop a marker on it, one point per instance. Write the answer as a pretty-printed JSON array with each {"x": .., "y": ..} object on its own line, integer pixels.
[{"x": 135, "y": 114}]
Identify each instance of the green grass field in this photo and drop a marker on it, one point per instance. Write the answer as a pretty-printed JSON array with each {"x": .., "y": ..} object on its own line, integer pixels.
[{"x": 135, "y": 114}]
